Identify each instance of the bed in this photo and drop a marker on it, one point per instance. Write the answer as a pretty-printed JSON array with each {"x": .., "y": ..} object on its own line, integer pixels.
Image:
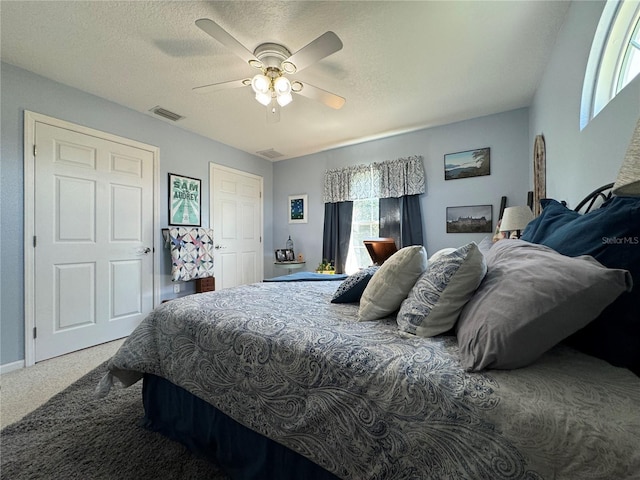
[{"x": 304, "y": 379}]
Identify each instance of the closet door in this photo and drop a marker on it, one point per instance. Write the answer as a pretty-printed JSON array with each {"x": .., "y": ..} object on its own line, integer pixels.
[
  {"x": 236, "y": 219},
  {"x": 93, "y": 245}
]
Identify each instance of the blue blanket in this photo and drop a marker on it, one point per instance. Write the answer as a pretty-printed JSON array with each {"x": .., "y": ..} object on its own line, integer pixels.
[{"x": 307, "y": 277}]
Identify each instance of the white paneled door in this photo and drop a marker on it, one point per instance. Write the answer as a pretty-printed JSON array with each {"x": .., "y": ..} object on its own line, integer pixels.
[
  {"x": 236, "y": 217},
  {"x": 93, "y": 245}
]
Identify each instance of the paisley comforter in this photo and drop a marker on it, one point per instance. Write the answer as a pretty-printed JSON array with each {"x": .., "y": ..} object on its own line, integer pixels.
[{"x": 364, "y": 401}]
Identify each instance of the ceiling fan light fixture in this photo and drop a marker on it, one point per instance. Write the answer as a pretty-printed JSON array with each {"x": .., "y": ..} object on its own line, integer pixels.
[
  {"x": 261, "y": 84},
  {"x": 275, "y": 61},
  {"x": 263, "y": 98},
  {"x": 284, "y": 99},
  {"x": 282, "y": 86},
  {"x": 288, "y": 67}
]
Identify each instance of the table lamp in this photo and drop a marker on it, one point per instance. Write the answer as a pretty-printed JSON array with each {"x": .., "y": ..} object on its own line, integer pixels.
[{"x": 514, "y": 219}]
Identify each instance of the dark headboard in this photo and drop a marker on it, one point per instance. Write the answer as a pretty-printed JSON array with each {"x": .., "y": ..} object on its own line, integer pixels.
[{"x": 603, "y": 193}]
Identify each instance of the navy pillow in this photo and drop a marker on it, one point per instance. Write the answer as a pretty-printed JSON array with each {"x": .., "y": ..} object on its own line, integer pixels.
[
  {"x": 553, "y": 216},
  {"x": 352, "y": 288},
  {"x": 610, "y": 234}
]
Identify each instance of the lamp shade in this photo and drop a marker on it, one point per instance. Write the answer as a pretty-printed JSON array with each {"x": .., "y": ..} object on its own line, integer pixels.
[
  {"x": 515, "y": 218},
  {"x": 282, "y": 85},
  {"x": 284, "y": 99},
  {"x": 263, "y": 98},
  {"x": 628, "y": 181},
  {"x": 261, "y": 83}
]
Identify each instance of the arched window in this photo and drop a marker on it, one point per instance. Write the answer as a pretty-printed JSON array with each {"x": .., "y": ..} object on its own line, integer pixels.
[
  {"x": 631, "y": 59},
  {"x": 614, "y": 60}
]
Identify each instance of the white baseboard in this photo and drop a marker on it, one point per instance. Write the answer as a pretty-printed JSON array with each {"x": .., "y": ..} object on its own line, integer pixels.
[{"x": 10, "y": 367}]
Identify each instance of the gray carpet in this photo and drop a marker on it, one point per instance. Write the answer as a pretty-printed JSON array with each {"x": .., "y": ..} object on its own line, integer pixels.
[{"x": 77, "y": 436}]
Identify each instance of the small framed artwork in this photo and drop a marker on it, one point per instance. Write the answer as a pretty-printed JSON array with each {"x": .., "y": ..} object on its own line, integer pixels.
[
  {"x": 298, "y": 208},
  {"x": 184, "y": 200},
  {"x": 470, "y": 219},
  {"x": 285, "y": 255},
  {"x": 472, "y": 163}
]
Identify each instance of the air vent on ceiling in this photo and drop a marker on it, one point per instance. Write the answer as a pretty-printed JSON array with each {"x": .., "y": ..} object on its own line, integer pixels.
[
  {"x": 271, "y": 154},
  {"x": 164, "y": 113}
]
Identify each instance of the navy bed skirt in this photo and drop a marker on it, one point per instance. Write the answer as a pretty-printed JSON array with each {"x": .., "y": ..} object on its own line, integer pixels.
[{"x": 242, "y": 453}]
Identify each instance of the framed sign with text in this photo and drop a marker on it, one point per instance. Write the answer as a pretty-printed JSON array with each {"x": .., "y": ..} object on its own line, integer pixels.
[{"x": 184, "y": 200}]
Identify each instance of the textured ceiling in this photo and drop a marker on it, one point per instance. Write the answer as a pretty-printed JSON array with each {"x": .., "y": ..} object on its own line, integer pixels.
[{"x": 404, "y": 65}]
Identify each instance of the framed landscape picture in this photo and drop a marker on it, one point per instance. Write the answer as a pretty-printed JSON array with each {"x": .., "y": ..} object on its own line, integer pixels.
[
  {"x": 184, "y": 200},
  {"x": 298, "y": 208},
  {"x": 472, "y": 163},
  {"x": 470, "y": 219}
]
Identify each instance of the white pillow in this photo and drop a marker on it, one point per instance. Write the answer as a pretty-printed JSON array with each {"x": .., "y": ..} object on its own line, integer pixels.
[
  {"x": 437, "y": 298},
  {"x": 391, "y": 284},
  {"x": 441, "y": 252}
]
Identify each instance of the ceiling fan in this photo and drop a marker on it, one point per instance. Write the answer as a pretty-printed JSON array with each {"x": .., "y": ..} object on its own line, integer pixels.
[{"x": 271, "y": 86}]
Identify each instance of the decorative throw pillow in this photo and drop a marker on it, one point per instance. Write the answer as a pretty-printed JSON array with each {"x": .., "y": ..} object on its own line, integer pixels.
[
  {"x": 392, "y": 282},
  {"x": 351, "y": 289},
  {"x": 436, "y": 300},
  {"x": 532, "y": 298},
  {"x": 611, "y": 235}
]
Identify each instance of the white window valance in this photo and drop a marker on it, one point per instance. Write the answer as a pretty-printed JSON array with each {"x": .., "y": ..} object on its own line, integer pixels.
[{"x": 392, "y": 178}]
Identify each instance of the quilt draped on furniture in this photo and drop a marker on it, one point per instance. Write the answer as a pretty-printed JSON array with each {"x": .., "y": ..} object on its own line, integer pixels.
[{"x": 191, "y": 253}]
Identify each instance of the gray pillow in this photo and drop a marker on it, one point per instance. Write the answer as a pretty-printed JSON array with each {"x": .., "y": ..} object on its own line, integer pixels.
[
  {"x": 436, "y": 300},
  {"x": 532, "y": 298},
  {"x": 392, "y": 282}
]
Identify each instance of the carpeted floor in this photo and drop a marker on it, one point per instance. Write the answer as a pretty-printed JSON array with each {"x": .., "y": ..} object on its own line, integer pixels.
[{"x": 77, "y": 436}]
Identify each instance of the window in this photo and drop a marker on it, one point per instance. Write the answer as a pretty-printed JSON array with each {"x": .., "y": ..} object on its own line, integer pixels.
[
  {"x": 362, "y": 186},
  {"x": 631, "y": 59},
  {"x": 614, "y": 60},
  {"x": 364, "y": 224}
]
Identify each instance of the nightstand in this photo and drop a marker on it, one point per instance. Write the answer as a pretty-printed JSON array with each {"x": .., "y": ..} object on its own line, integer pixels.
[
  {"x": 290, "y": 265},
  {"x": 207, "y": 284}
]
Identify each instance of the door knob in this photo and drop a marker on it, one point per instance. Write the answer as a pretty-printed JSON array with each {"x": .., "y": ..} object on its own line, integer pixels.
[
  {"x": 219, "y": 247},
  {"x": 144, "y": 251}
]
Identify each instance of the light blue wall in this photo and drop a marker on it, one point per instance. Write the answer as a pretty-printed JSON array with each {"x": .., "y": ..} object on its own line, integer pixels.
[
  {"x": 580, "y": 161},
  {"x": 506, "y": 134},
  {"x": 577, "y": 161},
  {"x": 180, "y": 152}
]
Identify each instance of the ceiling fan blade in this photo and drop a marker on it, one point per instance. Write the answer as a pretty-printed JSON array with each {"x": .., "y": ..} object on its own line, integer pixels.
[
  {"x": 223, "y": 86},
  {"x": 329, "y": 99},
  {"x": 323, "y": 46},
  {"x": 220, "y": 34}
]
